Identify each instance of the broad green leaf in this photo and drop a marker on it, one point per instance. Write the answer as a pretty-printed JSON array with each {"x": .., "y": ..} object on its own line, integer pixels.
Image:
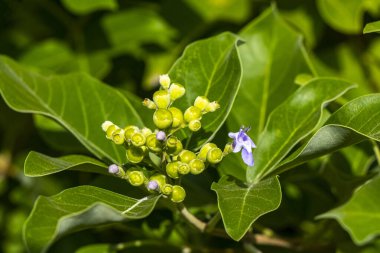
[
  {"x": 77, "y": 209},
  {"x": 241, "y": 205},
  {"x": 292, "y": 121},
  {"x": 354, "y": 122},
  {"x": 129, "y": 30},
  {"x": 37, "y": 165},
  {"x": 360, "y": 216},
  {"x": 343, "y": 15},
  {"x": 77, "y": 101},
  {"x": 97, "y": 248},
  {"x": 210, "y": 68},
  {"x": 84, "y": 7},
  {"x": 372, "y": 27}
]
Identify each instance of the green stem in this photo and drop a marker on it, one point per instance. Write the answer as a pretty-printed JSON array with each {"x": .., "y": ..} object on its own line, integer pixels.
[
  {"x": 213, "y": 221},
  {"x": 376, "y": 150}
]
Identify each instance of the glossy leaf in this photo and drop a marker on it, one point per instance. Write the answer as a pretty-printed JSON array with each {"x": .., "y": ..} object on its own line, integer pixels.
[
  {"x": 96, "y": 248},
  {"x": 360, "y": 216},
  {"x": 77, "y": 209},
  {"x": 77, "y": 101},
  {"x": 354, "y": 122},
  {"x": 241, "y": 205},
  {"x": 372, "y": 27},
  {"x": 84, "y": 7},
  {"x": 37, "y": 165},
  {"x": 210, "y": 68},
  {"x": 291, "y": 122}
]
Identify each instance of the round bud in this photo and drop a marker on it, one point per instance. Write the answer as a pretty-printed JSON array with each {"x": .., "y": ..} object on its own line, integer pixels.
[
  {"x": 177, "y": 117},
  {"x": 110, "y": 130},
  {"x": 171, "y": 142},
  {"x": 172, "y": 169},
  {"x": 164, "y": 81},
  {"x": 201, "y": 102},
  {"x": 135, "y": 177},
  {"x": 118, "y": 136},
  {"x": 227, "y": 149},
  {"x": 204, "y": 150},
  {"x": 212, "y": 107},
  {"x": 152, "y": 186},
  {"x": 167, "y": 189},
  {"x": 195, "y": 125},
  {"x": 178, "y": 194},
  {"x": 186, "y": 156},
  {"x": 215, "y": 155},
  {"x": 113, "y": 169},
  {"x": 135, "y": 154},
  {"x": 159, "y": 178},
  {"x": 160, "y": 135},
  {"x": 183, "y": 168},
  {"x": 153, "y": 144},
  {"x": 146, "y": 131},
  {"x": 161, "y": 98},
  {"x": 176, "y": 91},
  {"x": 162, "y": 118},
  {"x": 149, "y": 103},
  {"x": 106, "y": 124},
  {"x": 197, "y": 166},
  {"x": 192, "y": 113},
  {"x": 138, "y": 139},
  {"x": 129, "y": 131},
  {"x": 173, "y": 145},
  {"x": 178, "y": 148}
]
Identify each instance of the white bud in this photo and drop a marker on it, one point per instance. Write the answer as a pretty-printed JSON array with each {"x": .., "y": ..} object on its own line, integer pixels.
[
  {"x": 212, "y": 107},
  {"x": 165, "y": 81}
]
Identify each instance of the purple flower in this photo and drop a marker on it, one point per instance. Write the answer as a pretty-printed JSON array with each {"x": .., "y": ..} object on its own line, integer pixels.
[
  {"x": 113, "y": 169},
  {"x": 152, "y": 185},
  {"x": 242, "y": 142},
  {"x": 160, "y": 135}
]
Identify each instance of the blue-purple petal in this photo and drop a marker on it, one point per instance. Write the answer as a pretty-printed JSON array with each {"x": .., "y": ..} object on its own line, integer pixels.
[{"x": 247, "y": 157}]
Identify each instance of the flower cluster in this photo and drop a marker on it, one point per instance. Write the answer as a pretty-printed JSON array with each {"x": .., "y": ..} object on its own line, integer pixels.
[{"x": 158, "y": 156}]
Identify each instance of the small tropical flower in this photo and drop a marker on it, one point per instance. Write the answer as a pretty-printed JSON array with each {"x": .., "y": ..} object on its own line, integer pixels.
[{"x": 242, "y": 142}]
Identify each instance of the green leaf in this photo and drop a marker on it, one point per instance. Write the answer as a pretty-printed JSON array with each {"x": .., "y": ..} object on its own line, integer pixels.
[
  {"x": 372, "y": 27},
  {"x": 37, "y": 165},
  {"x": 241, "y": 205},
  {"x": 360, "y": 216},
  {"x": 84, "y": 7},
  {"x": 292, "y": 121},
  {"x": 210, "y": 68},
  {"x": 354, "y": 122},
  {"x": 77, "y": 101},
  {"x": 77, "y": 209},
  {"x": 343, "y": 15},
  {"x": 97, "y": 248}
]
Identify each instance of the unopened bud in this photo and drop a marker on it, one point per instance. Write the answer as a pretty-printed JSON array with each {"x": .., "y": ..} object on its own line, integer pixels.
[
  {"x": 146, "y": 131},
  {"x": 116, "y": 170},
  {"x": 164, "y": 81},
  {"x": 192, "y": 113},
  {"x": 201, "y": 102},
  {"x": 162, "y": 99},
  {"x": 174, "y": 146},
  {"x": 110, "y": 130},
  {"x": 227, "y": 149},
  {"x": 118, "y": 136},
  {"x": 153, "y": 144},
  {"x": 186, "y": 156},
  {"x": 129, "y": 131},
  {"x": 162, "y": 118},
  {"x": 138, "y": 139},
  {"x": 160, "y": 179},
  {"x": 214, "y": 156},
  {"x": 172, "y": 169},
  {"x": 176, "y": 91},
  {"x": 149, "y": 103},
  {"x": 197, "y": 166},
  {"x": 167, "y": 189},
  {"x": 135, "y": 154},
  {"x": 153, "y": 185},
  {"x": 195, "y": 125},
  {"x": 177, "y": 117},
  {"x": 160, "y": 135},
  {"x": 106, "y": 124},
  {"x": 183, "y": 168},
  {"x": 135, "y": 177},
  {"x": 178, "y": 194},
  {"x": 212, "y": 107},
  {"x": 204, "y": 150}
]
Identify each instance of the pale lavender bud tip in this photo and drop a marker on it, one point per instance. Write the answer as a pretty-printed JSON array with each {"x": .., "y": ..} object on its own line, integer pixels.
[
  {"x": 160, "y": 135},
  {"x": 152, "y": 185},
  {"x": 113, "y": 169}
]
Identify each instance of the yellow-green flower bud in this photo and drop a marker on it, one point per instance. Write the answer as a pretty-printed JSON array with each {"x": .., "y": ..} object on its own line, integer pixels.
[
  {"x": 201, "y": 102},
  {"x": 204, "y": 150},
  {"x": 175, "y": 150},
  {"x": 135, "y": 177},
  {"x": 172, "y": 169},
  {"x": 162, "y": 118},
  {"x": 164, "y": 81},
  {"x": 138, "y": 139},
  {"x": 118, "y": 136},
  {"x": 129, "y": 131},
  {"x": 195, "y": 125},
  {"x": 110, "y": 130},
  {"x": 149, "y": 103},
  {"x": 176, "y": 91},
  {"x": 171, "y": 142},
  {"x": 215, "y": 155},
  {"x": 197, "y": 166},
  {"x": 177, "y": 117},
  {"x": 162, "y": 99},
  {"x": 167, "y": 189},
  {"x": 186, "y": 156},
  {"x": 135, "y": 154},
  {"x": 212, "y": 107},
  {"x": 183, "y": 168},
  {"x": 106, "y": 124},
  {"x": 146, "y": 131},
  {"x": 192, "y": 113},
  {"x": 178, "y": 194},
  {"x": 153, "y": 144},
  {"x": 227, "y": 149},
  {"x": 160, "y": 178}
]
